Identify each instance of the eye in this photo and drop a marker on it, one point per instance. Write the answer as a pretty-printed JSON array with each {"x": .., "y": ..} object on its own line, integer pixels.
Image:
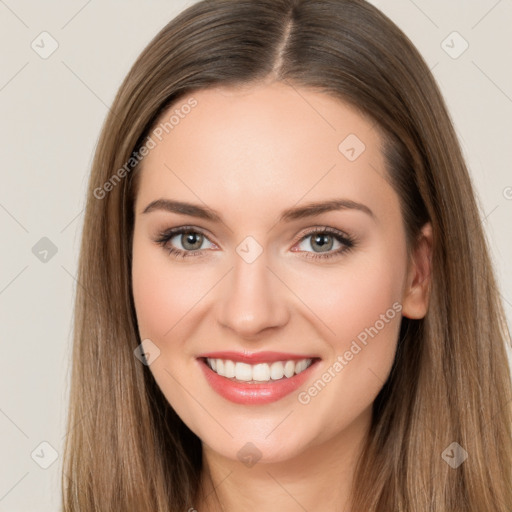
[
  {"x": 325, "y": 243},
  {"x": 183, "y": 242}
]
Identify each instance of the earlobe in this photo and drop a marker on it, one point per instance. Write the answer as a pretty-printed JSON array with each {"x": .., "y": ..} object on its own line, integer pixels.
[{"x": 417, "y": 287}]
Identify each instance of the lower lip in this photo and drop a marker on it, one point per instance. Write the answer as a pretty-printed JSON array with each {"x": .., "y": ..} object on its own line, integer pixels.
[{"x": 247, "y": 394}]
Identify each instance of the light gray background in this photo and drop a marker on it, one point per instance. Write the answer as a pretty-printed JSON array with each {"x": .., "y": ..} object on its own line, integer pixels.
[{"x": 51, "y": 112}]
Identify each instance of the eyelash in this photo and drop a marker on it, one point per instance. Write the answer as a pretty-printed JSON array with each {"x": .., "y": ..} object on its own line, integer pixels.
[{"x": 165, "y": 236}]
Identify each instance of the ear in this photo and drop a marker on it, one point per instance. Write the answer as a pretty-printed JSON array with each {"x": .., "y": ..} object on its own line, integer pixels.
[{"x": 416, "y": 293}]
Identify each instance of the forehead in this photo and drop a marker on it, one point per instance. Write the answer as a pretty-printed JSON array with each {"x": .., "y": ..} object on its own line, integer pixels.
[{"x": 256, "y": 143}]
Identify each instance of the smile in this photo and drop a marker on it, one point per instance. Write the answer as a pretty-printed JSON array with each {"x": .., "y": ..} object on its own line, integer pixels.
[
  {"x": 261, "y": 372},
  {"x": 258, "y": 378}
]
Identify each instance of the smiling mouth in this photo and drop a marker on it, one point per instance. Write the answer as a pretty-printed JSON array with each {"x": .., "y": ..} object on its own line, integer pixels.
[{"x": 237, "y": 371}]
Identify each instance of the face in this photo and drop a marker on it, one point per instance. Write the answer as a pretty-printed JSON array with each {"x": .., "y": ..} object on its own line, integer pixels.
[{"x": 297, "y": 308}]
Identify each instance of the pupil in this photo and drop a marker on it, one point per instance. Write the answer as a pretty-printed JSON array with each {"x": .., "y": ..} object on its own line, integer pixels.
[
  {"x": 320, "y": 240},
  {"x": 189, "y": 239}
]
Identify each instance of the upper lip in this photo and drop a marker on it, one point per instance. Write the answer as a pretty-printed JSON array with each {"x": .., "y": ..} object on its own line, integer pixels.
[{"x": 255, "y": 357}]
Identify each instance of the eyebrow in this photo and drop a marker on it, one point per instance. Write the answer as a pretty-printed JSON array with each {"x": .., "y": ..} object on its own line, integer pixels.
[{"x": 294, "y": 213}]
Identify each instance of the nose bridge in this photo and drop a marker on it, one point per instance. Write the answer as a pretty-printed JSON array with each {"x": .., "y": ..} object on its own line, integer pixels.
[{"x": 251, "y": 299}]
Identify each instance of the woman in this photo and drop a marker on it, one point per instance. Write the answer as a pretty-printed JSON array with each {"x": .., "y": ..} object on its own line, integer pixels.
[{"x": 287, "y": 300}]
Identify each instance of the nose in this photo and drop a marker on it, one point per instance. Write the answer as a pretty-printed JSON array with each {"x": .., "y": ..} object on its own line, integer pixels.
[{"x": 253, "y": 299}]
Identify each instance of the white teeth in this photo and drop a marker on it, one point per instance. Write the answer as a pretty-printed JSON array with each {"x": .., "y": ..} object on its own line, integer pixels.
[
  {"x": 243, "y": 371},
  {"x": 276, "y": 370},
  {"x": 289, "y": 369},
  {"x": 301, "y": 366},
  {"x": 261, "y": 372},
  {"x": 229, "y": 369}
]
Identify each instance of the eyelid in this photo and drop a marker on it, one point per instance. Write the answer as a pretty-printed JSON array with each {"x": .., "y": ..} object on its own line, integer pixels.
[
  {"x": 172, "y": 232},
  {"x": 322, "y": 229},
  {"x": 163, "y": 237},
  {"x": 347, "y": 242}
]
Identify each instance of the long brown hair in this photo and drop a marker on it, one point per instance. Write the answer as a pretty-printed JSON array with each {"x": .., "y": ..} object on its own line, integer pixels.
[{"x": 126, "y": 449}]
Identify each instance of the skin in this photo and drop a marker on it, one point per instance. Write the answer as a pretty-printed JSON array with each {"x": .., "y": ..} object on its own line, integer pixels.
[{"x": 249, "y": 153}]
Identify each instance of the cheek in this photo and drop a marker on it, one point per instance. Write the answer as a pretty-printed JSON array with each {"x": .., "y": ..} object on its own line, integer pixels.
[
  {"x": 162, "y": 296},
  {"x": 360, "y": 304},
  {"x": 352, "y": 297}
]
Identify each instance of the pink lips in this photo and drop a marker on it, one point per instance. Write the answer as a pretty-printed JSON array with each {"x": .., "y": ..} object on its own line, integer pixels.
[{"x": 253, "y": 394}]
